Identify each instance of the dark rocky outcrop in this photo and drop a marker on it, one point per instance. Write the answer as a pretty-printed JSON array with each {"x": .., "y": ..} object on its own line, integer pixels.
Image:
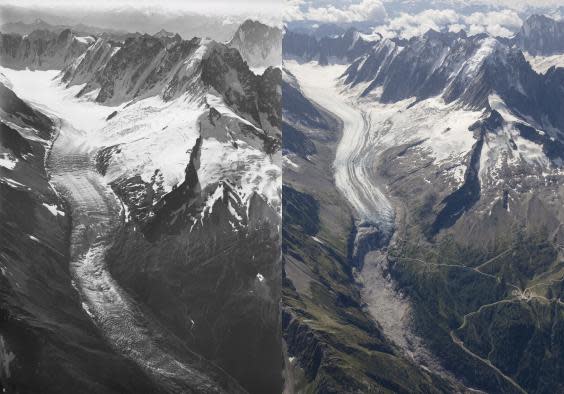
[
  {"x": 260, "y": 45},
  {"x": 40, "y": 50},
  {"x": 541, "y": 35}
]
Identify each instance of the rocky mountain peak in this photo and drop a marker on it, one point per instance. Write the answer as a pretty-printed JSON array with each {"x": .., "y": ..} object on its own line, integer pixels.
[
  {"x": 168, "y": 38},
  {"x": 259, "y": 44},
  {"x": 163, "y": 33},
  {"x": 42, "y": 49},
  {"x": 541, "y": 35}
]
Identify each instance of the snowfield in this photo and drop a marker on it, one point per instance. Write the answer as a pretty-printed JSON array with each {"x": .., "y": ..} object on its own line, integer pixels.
[
  {"x": 147, "y": 136},
  {"x": 154, "y": 135},
  {"x": 541, "y": 64}
]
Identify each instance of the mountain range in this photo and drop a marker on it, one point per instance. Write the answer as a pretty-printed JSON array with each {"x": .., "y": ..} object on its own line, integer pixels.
[
  {"x": 452, "y": 165},
  {"x": 166, "y": 155},
  {"x": 319, "y": 210}
]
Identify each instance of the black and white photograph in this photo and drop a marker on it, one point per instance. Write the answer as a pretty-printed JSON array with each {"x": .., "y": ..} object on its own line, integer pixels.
[{"x": 140, "y": 199}]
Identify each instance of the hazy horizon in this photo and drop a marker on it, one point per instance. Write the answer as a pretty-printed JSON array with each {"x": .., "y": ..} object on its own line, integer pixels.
[{"x": 217, "y": 21}]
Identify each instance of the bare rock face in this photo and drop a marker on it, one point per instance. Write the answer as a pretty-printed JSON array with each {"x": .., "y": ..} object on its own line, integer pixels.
[
  {"x": 256, "y": 98},
  {"x": 541, "y": 35},
  {"x": 340, "y": 48},
  {"x": 42, "y": 49},
  {"x": 259, "y": 45}
]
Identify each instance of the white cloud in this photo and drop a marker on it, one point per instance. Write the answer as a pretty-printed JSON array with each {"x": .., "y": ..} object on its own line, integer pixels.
[
  {"x": 506, "y": 18},
  {"x": 372, "y": 10},
  {"x": 475, "y": 29},
  {"x": 406, "y": 25},
  {"x": 456, "y": 27},
  {"x": 150, "y": 7},
  {"x": 292, "y": 10},
  {"x": 517, "y": 5},
  {"x": 497, "y": 23}
]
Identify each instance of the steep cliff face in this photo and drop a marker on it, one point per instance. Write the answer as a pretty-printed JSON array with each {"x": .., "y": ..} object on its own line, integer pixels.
[
  {"x": 256, "y": 98},
  {"x": 541, "y": 35},
  {"x": 42, "y": 49},
  {"x": 259, "y": 45}
]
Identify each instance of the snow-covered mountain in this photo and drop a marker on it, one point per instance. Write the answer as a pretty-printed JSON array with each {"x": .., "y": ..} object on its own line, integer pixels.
[
  {"x": 541, "y": 39},
  {"x": 188, "y": 139},
  {"x": 80, "y": 29},
  {"x": 458, "y": 68},
  {"x": 260, "y": 45},
  {"x": 207, "y": 78}
]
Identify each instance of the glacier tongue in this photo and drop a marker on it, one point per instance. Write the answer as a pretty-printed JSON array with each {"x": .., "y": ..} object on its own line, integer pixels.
[
  {"x": 354, "y": 165},
  {"x": 145, "y": 140},
  {"x": 437, "y": 131},
  {"x": 95, "y": 218}
]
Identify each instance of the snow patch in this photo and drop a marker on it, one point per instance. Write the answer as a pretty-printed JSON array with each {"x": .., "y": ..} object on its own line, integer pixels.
[
  {"x": 245, "y": 166},
  {"x": 258, "y": 70},
  {"x": 85, "y": 40},
  {"x": 8, "y": 161},
  {"x": 541, "y": 64},
  {"x": 53, "y": 209},
  {"x": 12, "y": 183},
  {"x": 286, "y": 159}
]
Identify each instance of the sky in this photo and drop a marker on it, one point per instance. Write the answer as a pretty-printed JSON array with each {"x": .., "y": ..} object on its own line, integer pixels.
[
  {"x": 217, "y": 19},
  {"x": 207, "y": 7},
  {"x": 407, "y": 18}
]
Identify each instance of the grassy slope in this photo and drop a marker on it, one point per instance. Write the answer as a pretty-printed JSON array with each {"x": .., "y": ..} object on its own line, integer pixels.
[{"x": 470, "y": 286}]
